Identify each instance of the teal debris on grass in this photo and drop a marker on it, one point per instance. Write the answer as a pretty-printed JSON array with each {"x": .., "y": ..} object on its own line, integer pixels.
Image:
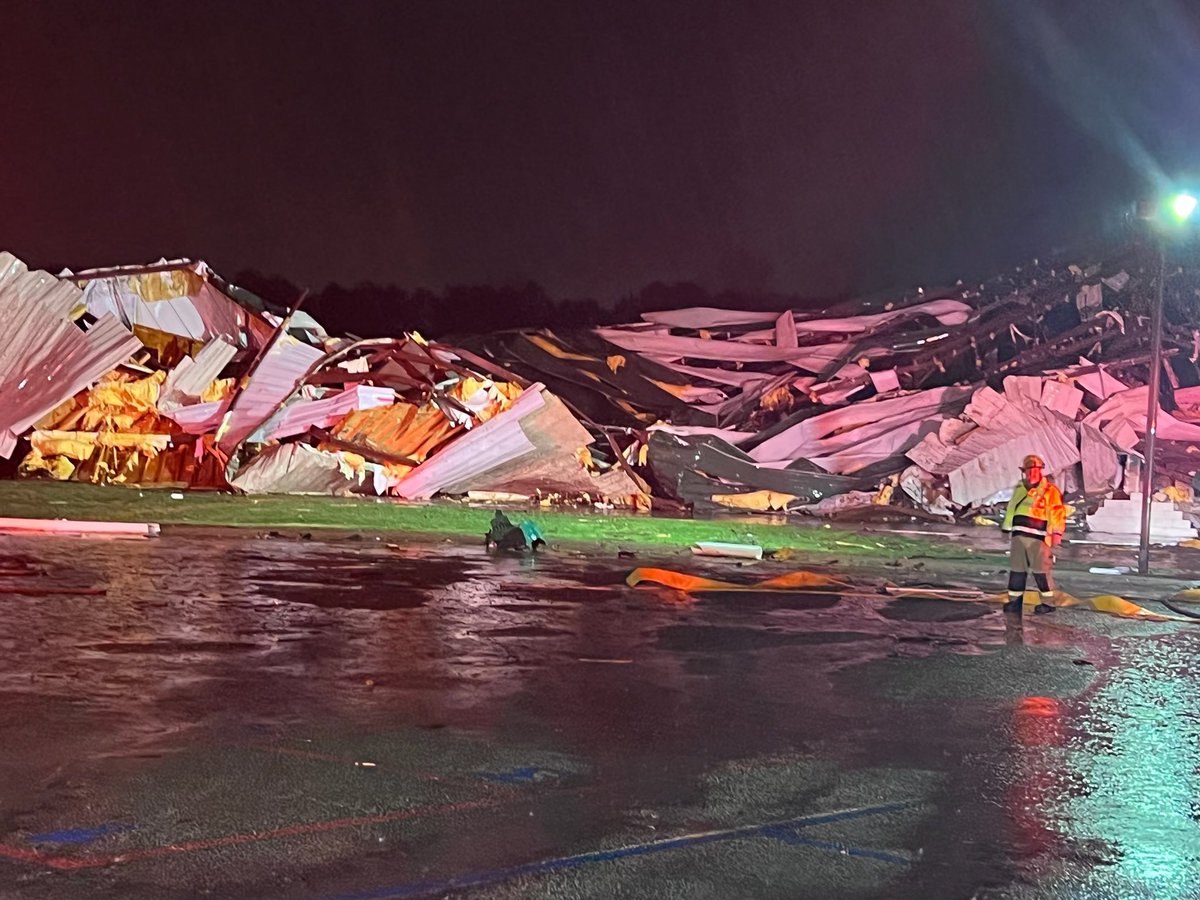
[{"x": 504, "y": 535}]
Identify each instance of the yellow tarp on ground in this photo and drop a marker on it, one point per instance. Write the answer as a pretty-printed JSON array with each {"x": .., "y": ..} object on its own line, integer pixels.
[
  {"x": 696, "y": 584},
  {"x": 794, "y": 581},
  {"x": 1105, "y": 603}
]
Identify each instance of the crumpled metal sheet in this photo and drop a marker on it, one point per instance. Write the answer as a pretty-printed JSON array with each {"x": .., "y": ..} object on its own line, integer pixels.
[
  {"x": 328, "y": 411},
  {"x": 846, "y": 440},
  {"x": 986, "y": 460},
  {"x": 532, "y": 447},
  {"x": 284, "y": 365},
  {"x": 946, "y": 311},
  {"x": 174, "y": 298},
  {"x": 300, "y": 469},
  {"x": 193, "y": 375},
  {"x": 46, "y": 357},
  {"x": 697, "y": 468}
]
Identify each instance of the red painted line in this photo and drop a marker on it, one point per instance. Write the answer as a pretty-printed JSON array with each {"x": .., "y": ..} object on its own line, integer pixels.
[
  {"x": 67, "y": 863},
  {"x": 21, "y": 853}
]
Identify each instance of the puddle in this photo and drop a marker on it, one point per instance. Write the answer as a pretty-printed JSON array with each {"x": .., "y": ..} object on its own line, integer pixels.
[
  {"x": 718, "y": 639},
  {"x": 934, "y": 611},
  {"x": 170, "y": 647}
]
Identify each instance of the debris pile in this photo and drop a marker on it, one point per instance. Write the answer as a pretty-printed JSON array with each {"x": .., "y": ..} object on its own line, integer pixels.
[
  {"x": 168, "y": 375},
  {"x": 927, "y": 403}
]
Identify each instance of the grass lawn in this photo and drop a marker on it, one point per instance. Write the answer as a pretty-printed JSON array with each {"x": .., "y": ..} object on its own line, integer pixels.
[{"x": 55, "y": 500}]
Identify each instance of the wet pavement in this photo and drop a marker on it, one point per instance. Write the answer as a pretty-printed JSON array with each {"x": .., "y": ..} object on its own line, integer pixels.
[{"x": 240, "y": 716}]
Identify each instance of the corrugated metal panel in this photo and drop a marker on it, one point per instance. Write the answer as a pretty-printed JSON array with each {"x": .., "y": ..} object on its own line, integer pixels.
[
  {"x": 328, "y": 411},
  {"x": 179, "y": 301},
  {"x": 987, "y": 460},
  {"x": 529, "y": 447},
  {"x": 191, "y": 377},
  {"x": 203, "y": 418},
  {"x": 277, "y": 376},
  {"x": 300, "y": 469},
  {"x": 46, "y": 357}
]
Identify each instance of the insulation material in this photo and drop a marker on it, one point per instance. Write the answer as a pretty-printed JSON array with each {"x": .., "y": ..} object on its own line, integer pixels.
[{"x": 400, "y": 430}]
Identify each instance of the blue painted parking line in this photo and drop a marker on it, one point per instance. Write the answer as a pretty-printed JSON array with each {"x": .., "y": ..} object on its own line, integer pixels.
[
  {"x": 790, "y": 836},
  {"x": 79, "y": 835},
  {"x": 771, "y": 829},
  {"x": 522, "y": 775}
]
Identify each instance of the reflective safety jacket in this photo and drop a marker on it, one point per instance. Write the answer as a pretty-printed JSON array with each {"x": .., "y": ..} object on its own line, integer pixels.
[{"x": 1037, "y": 511}]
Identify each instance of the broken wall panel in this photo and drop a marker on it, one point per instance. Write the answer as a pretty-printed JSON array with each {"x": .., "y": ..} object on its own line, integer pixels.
[
  {"x": 188, "y": 381},
  {"x": 46, "y": 358},
  {"x": 177, "y": 298},
  {"x": 531, "y": 447},
  {"x": 300, "y": 469},
  {"x": 302, "y": 415},
  {"x": 831, "y": 432},
  {"x": 279, "y": 373}
]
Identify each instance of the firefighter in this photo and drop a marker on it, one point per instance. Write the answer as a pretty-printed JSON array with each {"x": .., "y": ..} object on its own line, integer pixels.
[{"x": 1036, "y": 518}]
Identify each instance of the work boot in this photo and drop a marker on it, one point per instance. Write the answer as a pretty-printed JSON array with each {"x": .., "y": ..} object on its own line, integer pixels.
[
  {"x": 1043, "y": 609},
  {"x": 1015, "y": 606}
]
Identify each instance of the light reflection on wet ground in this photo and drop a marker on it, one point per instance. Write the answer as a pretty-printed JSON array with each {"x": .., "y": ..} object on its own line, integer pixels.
[{"x": 537, "y": 709}]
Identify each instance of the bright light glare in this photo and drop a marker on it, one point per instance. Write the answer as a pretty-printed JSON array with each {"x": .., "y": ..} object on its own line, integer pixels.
[{"x": 1183, "y": 205}]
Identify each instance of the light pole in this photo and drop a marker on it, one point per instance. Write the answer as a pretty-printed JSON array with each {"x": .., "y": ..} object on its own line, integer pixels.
[{"x": 1180, "y": 208}]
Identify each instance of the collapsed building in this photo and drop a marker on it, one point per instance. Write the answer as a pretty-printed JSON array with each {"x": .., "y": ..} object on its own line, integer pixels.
[{"x": 168, "y": 375}]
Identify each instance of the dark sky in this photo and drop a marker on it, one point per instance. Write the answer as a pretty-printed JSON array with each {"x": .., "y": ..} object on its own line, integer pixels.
[{"x": 594, "y": 147}]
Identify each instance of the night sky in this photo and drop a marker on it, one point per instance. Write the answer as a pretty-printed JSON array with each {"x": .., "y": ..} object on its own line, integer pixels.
[{"x": 593, "y": 147}]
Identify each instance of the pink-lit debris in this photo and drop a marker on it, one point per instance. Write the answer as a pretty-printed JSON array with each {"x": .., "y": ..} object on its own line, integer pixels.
[
  {"x": 68, "y": 527},
  {"x": 176, "y": 297},
  {"x": 299, "y": 468},
  {"x": 302, "y": 415},
  {"x": 532, "y": 447},
  {"x": 46, "y": 357}
]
